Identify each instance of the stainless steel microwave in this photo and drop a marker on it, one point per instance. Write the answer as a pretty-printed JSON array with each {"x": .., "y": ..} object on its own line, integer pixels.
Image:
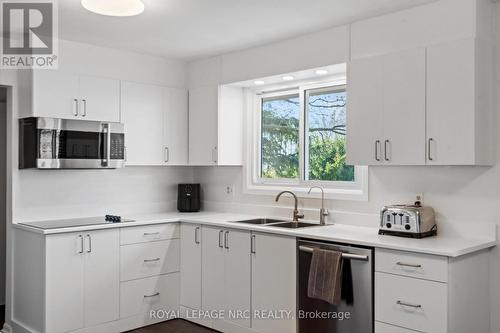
[{"x": 50, "y": 143}]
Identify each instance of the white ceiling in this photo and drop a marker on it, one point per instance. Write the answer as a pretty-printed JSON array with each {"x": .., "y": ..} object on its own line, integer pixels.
[{"x": 192, "y": 29}]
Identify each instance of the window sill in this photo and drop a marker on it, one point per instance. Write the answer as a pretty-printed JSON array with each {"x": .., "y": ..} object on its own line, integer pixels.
[{"x": 353, "y": 194}]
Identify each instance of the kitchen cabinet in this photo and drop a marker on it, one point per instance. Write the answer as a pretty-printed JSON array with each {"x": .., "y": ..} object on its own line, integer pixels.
[
  {"x": 428, "y": 293},
  {"x": 426, "y": 106},
  {"x": 57, "y": 94},
  {"x": 215, "y": 125},
  {"x": 459, "y": 103},
  {"x": 81, "y": 280},
  {"x": 155, "y": 121},
  {"x": 191, "y": 266},
  {"x": 386, "y": 109},
  {"x": 274, "y": 271},
  {"x": 226, "y": 275}
]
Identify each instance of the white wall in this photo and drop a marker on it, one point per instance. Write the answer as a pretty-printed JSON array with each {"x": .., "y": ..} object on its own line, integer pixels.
[
  {"x": 3, "y": 196},
  {"x": 465, "y": 196}
]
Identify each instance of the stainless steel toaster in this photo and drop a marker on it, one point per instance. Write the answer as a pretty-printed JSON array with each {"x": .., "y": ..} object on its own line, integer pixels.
[{"x": 413, "y": 221}]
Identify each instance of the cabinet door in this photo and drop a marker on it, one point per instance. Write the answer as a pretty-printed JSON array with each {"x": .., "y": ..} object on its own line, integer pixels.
[
  {"x": 100, "y": 99},
  {"x": 176, "y": 126},
  {"x": 404, "y": 108},
  {"x": 142, "y": 113},
  {"x": 203, "y": 114},
  {"x": 64, "y": 280},
  {"x": 237, "y": 275},
  {"x": 191, "y": 266},
  {"x": 273, "y": 281},
  {"x": 212, "y": 269},
  {"x": 55, "y": 94},
  {"x": 451, "y": 103},
  {"x": 365, "y": 111},
  {"x": 102, "y": 276}
]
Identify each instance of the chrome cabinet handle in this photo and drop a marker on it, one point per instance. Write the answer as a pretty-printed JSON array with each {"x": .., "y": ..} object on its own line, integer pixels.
[
  {"x": 76, "y": 107},
  {"x": 152, "y": 260},
  {"x": 152, "y": 295},
  {"x": 226, "y": 240},
  {"x": 377, "y": 145},
  {"x": 84, "y": 101},
  {"x": 411, "y": 305},
  {"x": 386, "y": 156},
  {"x": 90, "y": 244},
  {"x": 214, "y": 155},
  {"x": 81, "y": 243},
  {"x": 196, "y": 235},
  {"x": 167, "y": 154},
  {"x": 220, "y": 238},
  {"x": 252, "y": 245},
  {"x": 399, "y": 263},
  {"x": 429, "y": 147},
  {"x": 151, "y": 233}
]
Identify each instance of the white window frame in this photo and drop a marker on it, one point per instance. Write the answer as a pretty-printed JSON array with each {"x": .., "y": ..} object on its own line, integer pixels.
[{"x": 254, "y": 184}]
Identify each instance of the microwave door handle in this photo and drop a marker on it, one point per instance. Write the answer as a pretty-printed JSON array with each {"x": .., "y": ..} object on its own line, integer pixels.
[{"x": 107, "y": 145}]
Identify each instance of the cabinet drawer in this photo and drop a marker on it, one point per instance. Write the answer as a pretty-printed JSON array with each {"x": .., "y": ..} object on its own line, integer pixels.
[
  {"x": 153, "y": 293},
  {"x": 149, "y": 259},
  {"x": 416, "y": 265},
  {"x": 149, "y": 233},
  {"x": 385, "y": 328},
  {"x": 411, "y": 303}
]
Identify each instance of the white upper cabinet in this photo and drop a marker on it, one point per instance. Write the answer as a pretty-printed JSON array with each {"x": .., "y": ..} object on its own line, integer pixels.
[
  {"x": 459, "y": 103},
  {"x": 386, "y": 109},
  {"x": 426, "y": 106},
  {"x": 100, "y": 99},
  {"x": 176, "y": 126},
  {"x": 155, "y": 121},
  {"x": 57, "y": 94},
  {"x": 215, "y": 125},
  {"x": 142, "y": 114}
]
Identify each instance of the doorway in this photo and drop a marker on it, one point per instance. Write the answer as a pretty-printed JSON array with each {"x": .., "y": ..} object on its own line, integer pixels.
[{"x": 3, "y": 198}]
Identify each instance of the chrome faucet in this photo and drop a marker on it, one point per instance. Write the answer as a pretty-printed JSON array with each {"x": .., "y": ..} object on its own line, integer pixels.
[
  {"x": 296, "y": 215},
  {"x": 323, "y": 213}
]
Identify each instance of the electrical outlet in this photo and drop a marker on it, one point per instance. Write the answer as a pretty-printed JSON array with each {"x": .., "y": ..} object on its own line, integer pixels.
[
  {"x": 230, "y": 189},
  {"x": 419, "y": 197}
]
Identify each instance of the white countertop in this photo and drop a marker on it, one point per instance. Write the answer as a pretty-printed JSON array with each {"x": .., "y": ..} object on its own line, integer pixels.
[{"x": 340, "y": 233}]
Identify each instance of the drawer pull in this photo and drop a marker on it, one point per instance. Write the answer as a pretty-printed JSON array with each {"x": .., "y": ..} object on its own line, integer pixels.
[
  {"x": 153, "y": 295},
  {"x": 151, "y": 233},
  {"x": 152, "y": 260},
  {"x": 408, "y": 265},
  {"x": 416, "y": 306}
]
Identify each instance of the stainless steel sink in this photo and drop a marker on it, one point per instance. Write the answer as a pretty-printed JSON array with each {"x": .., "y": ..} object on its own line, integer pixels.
[
  {"x": 294, "y": 225},
  {"x": 259, "y": 221}
]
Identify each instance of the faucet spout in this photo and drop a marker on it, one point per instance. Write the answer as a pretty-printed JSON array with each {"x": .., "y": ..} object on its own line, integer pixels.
[
  {"x": 296, "y": 214},
  {"x": 323, "y": 213}
]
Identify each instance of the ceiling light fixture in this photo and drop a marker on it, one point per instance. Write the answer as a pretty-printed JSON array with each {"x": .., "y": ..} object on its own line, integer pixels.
[
  {"x": 288, "y": 78},
  {"x": 259, "y": 82},
  {"x": 114, "y": 7},
  {"x": 321, "y": 72}
]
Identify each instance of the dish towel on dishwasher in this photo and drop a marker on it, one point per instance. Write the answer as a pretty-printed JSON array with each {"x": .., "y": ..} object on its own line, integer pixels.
[{"x": 325, "y": 276}]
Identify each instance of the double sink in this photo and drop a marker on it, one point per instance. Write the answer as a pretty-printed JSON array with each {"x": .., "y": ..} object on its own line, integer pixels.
[{"x": 278, "y": 223}]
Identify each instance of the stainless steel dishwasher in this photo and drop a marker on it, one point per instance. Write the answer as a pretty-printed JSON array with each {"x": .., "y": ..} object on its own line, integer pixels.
[{"x": 355, "y": 313}]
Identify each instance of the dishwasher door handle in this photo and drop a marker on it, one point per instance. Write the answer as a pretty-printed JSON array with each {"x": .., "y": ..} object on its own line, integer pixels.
[{"x": 344, "y": 255}]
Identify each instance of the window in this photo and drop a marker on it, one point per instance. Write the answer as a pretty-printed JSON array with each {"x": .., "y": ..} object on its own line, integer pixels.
[{"x": 300, "y": 140}]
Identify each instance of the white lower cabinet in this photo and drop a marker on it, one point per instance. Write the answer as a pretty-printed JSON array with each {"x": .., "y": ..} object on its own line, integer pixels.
[
  {"x": 191, "y": 266},
  {"x": 153, "y": 293},
  {"x": 431, "y": 294},
  {"x": 81, "y": 280},
  {"x": 226, "y": 276},
  {"x": 274, "y": 270}
]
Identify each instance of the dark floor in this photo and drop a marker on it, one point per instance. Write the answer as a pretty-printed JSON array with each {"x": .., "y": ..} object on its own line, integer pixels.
[
  {"x": 2, "y": 315},
  {"x": 173, "y": 326}
]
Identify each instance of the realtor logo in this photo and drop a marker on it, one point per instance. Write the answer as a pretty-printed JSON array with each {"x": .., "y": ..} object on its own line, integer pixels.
[{"x": 29, "y": 34}]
